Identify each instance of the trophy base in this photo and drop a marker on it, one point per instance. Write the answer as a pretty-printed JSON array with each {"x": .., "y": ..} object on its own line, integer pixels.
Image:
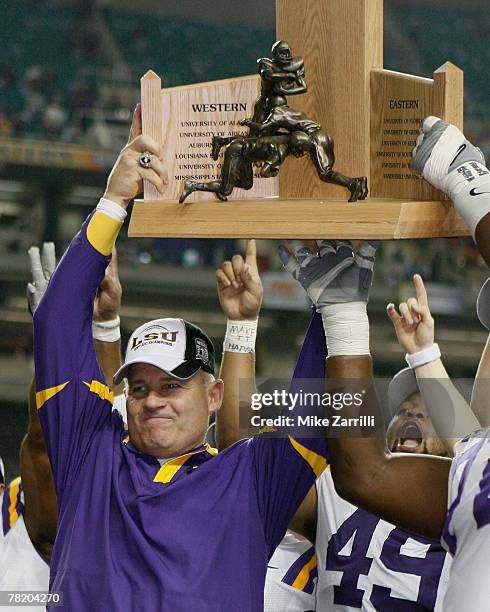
[{"x": 277, "y": 218}]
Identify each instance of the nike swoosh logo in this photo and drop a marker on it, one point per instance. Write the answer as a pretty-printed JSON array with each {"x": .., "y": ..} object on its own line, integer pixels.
[
  {"x": 272, "y": 567},
  {"x": 458, "y": 153},
  {"x": 474, "y": 192}
]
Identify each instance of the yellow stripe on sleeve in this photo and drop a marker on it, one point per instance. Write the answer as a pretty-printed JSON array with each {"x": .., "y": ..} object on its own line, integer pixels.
[
  {"x": 13, "y": 495},
  {"x": 102, "y": 232},
  {"x": 43, "y": 396},
  {"x": 304, "y": 575},
  {"x": 314, "y": 460},
  {"x": 101, "y": 390}
]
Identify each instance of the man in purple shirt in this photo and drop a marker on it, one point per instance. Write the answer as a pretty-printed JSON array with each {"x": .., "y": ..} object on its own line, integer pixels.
[{"x": 150, "y": 518}]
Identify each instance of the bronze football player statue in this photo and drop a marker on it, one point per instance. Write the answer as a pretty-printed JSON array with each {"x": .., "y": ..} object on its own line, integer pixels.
[
  {"x": 275, "y": 131},
  {"x": 281, "y": 76}
]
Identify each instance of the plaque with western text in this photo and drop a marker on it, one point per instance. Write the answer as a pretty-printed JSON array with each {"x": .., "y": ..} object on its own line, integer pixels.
[{"x": 192, "y": 116}]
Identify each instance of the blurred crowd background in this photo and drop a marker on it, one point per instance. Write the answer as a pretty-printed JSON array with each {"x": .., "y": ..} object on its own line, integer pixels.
[{"x": 69, "y": 79}]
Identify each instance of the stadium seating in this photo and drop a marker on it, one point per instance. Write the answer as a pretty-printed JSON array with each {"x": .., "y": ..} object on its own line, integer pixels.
[{"x": 59, "y": 40}]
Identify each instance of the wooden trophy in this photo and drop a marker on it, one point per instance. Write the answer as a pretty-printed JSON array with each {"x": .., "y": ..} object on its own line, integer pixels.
[{"x": 373, "y": 115}]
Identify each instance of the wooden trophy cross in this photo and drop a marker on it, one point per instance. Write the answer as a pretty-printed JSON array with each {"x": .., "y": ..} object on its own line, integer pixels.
[{"x": 373, "y": 115}]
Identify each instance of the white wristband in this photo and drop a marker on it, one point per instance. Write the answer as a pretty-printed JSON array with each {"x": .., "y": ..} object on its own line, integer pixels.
[
  {"x": 240, "y": 336},
  {"x": 111, "y": 209},
  {"x": 426, "y": 355},
  {"x": 106, "y": 331}
]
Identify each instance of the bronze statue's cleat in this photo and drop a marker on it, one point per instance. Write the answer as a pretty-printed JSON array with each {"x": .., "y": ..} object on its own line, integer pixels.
[
  {"x": 365, "y": 189},
  {"x": 360, "y": 190},
  {"x": 186, "y": 191}
]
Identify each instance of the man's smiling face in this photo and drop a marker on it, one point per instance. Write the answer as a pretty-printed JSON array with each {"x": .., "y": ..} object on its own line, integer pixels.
[{"x": 167, "y": 416}]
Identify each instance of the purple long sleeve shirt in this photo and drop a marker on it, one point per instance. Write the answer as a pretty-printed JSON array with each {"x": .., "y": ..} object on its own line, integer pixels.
[{"x": 192, "y": 535}]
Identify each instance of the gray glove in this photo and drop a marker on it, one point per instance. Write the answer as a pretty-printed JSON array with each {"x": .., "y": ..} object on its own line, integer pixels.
[
  {"x": 42, "y": 267},
  {"x": 335, "y": 275}
]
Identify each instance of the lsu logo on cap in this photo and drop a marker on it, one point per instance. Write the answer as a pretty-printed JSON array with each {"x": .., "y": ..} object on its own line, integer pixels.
[
  {"x": 202, "y": 352},
  {"x": 159, "y": 334}
]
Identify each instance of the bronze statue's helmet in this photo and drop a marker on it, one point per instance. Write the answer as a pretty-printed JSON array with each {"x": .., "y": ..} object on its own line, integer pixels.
[{"x": 281, "y": 51}]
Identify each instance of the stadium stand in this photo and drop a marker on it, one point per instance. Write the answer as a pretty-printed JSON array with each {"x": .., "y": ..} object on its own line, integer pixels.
[
  {"x": 60, "y": 64},
  {"x": 444, "y": 42}
]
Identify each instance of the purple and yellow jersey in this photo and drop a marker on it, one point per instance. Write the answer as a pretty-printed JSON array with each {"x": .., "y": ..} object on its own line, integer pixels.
[
  {"x": 12, "y": 505},
  {"x": 466, "y": 532},
  {"x": 290, "y": 582},
  {"x": 194, "y": 534},
  {"x": 22, "y": 568}
]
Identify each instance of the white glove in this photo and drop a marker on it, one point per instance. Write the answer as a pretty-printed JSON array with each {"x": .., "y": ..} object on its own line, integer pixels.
[{"x": 42, "y": 267}]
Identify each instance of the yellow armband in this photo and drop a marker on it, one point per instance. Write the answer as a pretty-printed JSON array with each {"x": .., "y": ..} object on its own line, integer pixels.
[{"x": 102, "y": 232}]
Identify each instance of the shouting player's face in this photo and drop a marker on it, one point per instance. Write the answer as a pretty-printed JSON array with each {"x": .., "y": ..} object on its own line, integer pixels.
[
  {"x": 167, "y": 416},
  {"x": 411, "y": 430}
]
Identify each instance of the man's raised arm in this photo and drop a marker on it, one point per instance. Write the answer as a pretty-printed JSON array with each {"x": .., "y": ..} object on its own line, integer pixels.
[
  {"x": 414, "y": 326},
  {"x": 397, "y": 488},
  {"x": 240, "y": 297},
  {"x": 40, "y": 511},
  {"x": 106, "y": 322},
  {"x": 449, "y": 162},
  {"x": 70, "y": 385}
]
